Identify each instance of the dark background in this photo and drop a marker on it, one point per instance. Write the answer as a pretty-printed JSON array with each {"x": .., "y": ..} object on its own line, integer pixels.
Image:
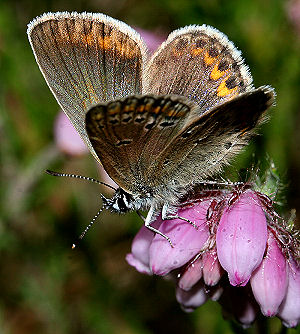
[{"x": 45, "y": 287}]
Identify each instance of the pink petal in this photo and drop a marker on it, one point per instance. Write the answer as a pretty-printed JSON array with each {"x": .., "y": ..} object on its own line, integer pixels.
[
  {"x": 139, "y": 256},
  {"x": 269, "y": 280},
  {"x": 191, "y": 275},
  {"x": 66, "y": 137},
  {"x": 241, "y": 238},
  {"x": 186, "y": 239},
  {"x": 289, "y": 310},
  {"x": 212, "y": 270}
]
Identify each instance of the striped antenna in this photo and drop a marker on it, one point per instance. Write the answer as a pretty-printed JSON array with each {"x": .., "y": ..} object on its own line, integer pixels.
[
  {"x": 50, "y": 172},
  {"x": 89, "y": 226}
]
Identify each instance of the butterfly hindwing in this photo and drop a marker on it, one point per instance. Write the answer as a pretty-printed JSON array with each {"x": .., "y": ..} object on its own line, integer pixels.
[
  {"x": 205, "y": 145},
  {"x": 87, "y": 59},
  {"x": 129, "y": 134},
  {"x": 200, "y": 63}
]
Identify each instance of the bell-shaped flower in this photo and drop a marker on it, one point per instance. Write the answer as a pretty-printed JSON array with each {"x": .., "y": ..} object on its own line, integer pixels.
[
  {"x": 190, "y": 300},
  {"x": 211, "y": 268},
  {"x": 241, "y": 237},
  {"x": 191, "y": 275},
  {"x": 269, "y": 280},
  {"x": 186, "y": 239},
  {"x": 289, "y": 310}
]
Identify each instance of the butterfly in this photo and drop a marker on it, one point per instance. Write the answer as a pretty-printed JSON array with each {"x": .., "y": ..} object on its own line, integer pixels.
[{"x": 161, "y": 124}]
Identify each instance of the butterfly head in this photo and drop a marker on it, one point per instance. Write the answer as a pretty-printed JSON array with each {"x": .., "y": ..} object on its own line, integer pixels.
[{"x": 121, "y": 202}]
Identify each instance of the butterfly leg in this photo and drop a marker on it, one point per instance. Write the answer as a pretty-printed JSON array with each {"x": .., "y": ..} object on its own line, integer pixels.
[
  {"x": 148, "y": 222},
  {"x": 167, "y": 214}
]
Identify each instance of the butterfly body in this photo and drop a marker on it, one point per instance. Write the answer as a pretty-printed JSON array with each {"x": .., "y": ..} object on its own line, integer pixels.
[{"x": 159, "y": 125}]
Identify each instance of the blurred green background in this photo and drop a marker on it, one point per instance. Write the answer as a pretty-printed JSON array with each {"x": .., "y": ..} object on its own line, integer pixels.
[{"x": 46, "y": 287}]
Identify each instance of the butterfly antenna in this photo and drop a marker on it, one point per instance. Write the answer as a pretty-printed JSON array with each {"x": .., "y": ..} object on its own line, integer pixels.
[
  {"x": 50, "y": 172},
  {"x": 89, "y": 226}
]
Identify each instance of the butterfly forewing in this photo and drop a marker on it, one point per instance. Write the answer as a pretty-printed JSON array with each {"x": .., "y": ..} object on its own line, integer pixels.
[
  {"x": 200, "y": 63},
  {"x": 205, "y": 145},
  {"x": 87, "y": 59},
  {"x": 128, "y": 135}
]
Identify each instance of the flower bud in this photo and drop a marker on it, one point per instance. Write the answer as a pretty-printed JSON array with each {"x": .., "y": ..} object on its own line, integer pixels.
[
  {"x": 191, "y": 275},
  {"x": 241, "y": 238},
  {"x": 193, "y": 298},
  {"x": 212, "y": 270},
  {"x": 289, "y": 310},
  {"x": 269, "y": 280}
]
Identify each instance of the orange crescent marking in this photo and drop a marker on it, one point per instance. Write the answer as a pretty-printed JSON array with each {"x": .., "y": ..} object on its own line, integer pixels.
[
  {"x": 223, "y": 90},
  {"x": 208, "y": 59},
  {"x": 216, "y": 74}
]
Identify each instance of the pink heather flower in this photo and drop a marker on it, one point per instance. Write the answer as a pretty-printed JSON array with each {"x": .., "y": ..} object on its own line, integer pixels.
[
  {"x": 186, "y": 239},
  {"x": 241, "y": 238},
  {"x": 289, "y": 310},
  {"x": 191, "y": 275},
  {"x": 139, "y": 256},
  {"x": 190, "y": 300},
  {"x": 66, "y": 137},
  {"x": 212, "y": 270},
  {"x": 269, "y": 280}
]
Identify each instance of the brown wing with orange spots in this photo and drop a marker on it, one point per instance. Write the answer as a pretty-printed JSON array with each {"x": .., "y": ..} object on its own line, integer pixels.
[
  {"x": 87, "y": 59},
  {"x": 200, "y": 63}
]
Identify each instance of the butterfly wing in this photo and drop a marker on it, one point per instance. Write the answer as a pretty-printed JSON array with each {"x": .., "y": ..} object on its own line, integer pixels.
[
  {"x": 206, "y": 144},
  {"x": 129, "y": 134},
  {"x": 86, "y": 59},
  {"x": 200, "y": 63}
]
